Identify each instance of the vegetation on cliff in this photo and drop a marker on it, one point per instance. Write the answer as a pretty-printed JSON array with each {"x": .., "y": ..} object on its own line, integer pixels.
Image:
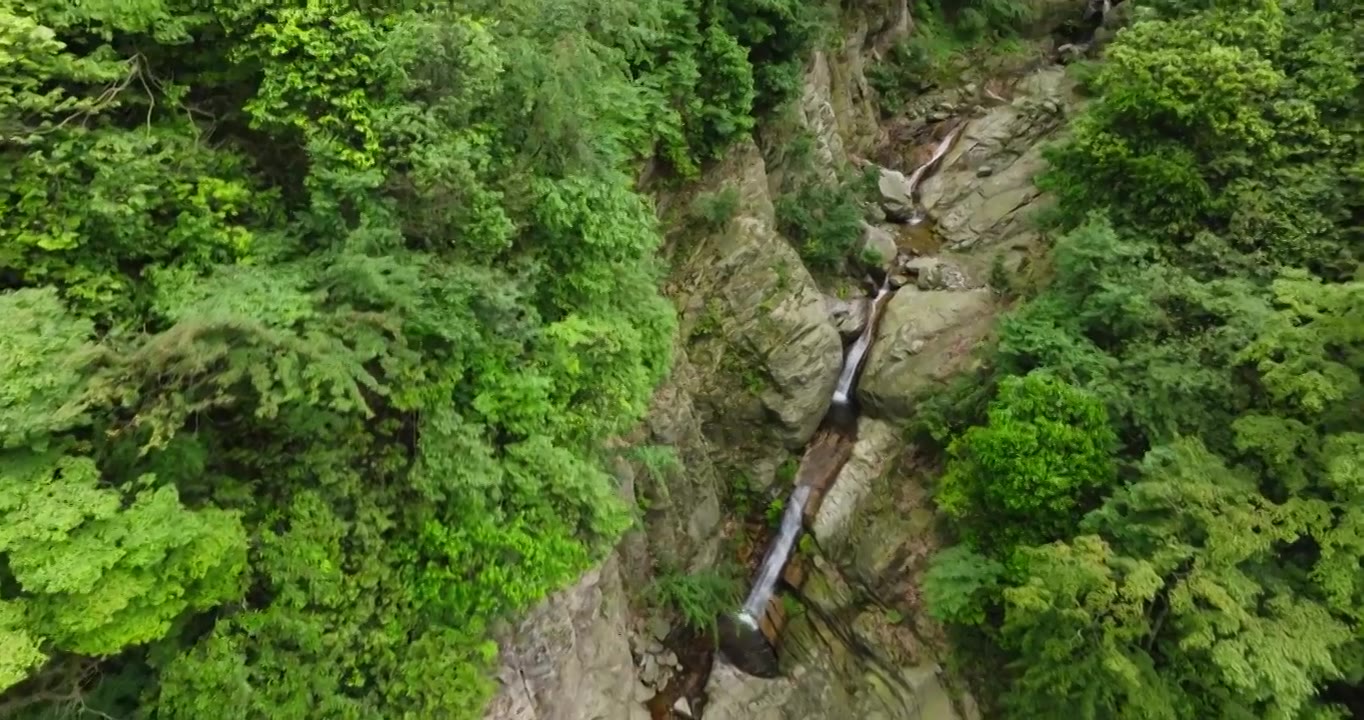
[
  {"x": 1206, "y": 295},
  {"x": 314, "y": 316}
]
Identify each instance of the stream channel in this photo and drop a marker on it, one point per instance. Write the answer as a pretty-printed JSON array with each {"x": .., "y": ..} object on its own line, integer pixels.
[{"x": 750, "y": 637}]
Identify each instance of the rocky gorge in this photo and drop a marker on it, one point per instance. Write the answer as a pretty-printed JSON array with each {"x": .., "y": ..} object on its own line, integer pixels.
[{"x": 758, "y": 354}]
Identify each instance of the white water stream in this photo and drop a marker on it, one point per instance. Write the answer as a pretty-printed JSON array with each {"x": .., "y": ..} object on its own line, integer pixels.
[
  {"x": 792, "y": 517},
  {"x": 923, "y": 170},
  {"x": 858, "y": 351},
  {"x": 772, "y": 565}
]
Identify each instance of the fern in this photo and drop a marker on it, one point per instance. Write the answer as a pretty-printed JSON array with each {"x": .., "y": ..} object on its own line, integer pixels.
[{"x": 699, "y": 598}]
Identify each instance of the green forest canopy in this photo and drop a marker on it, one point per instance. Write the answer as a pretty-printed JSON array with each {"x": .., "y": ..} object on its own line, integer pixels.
[
  {"x": 1196, "y": 549},
  {"x": 315, "y": 316}
]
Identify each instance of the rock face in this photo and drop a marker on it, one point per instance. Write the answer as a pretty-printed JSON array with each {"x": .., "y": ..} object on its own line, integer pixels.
[
  {"x": 569, "y": 659},
  {"x": 757, "y": 328},
  {"x": 682, "y": 506},
  {"x": 846, "y": 652},
  {"x": 970, "y": 207}
]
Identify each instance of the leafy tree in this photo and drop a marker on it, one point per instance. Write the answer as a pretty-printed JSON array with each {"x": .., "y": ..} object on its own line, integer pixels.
[
  {"x": 1206, "y": 291},
  {"x": 1047, "y": 449},
  {"x": 320, "y": 314},
  {"x": 960, "y": 584}
]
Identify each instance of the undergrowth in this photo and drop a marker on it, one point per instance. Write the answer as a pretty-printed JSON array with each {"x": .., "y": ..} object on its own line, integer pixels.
[
  {"x": 699, "y": 597},
  {"x": 948, "y": 36}
]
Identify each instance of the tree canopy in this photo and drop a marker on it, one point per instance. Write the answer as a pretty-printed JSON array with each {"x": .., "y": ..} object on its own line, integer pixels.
[
  {"x": 1207, "y": 291},
  {"x": 316, "y": 316}
]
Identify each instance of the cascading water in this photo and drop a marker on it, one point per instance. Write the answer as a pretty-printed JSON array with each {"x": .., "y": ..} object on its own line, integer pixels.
[
  {"x": 761, "y": 595},
  {"x": 746, "y": 641},
  {"x": 749, "y": 636},
  {"x": 923, "y": 170},
  {"x": 858, "y": 351}
]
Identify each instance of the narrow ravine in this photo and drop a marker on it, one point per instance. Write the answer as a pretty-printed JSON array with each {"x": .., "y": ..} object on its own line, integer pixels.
[{"x": 750, "y": 637}]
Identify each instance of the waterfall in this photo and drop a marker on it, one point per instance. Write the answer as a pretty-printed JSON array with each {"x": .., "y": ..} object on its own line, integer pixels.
[
  {"x": 859, "y": 349},
  {"x": 745, "y": 640},
  {"x": 922, "y": 170},
  {"x": 777, "y": 553}
]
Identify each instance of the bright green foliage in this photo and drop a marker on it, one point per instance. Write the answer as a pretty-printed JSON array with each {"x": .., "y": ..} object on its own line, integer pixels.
[
  {"x": 1076, "y": 624},
  {"x": 95, "y": 574},
  {"x": 959, "y": 584},
  {"x": 699, "y": 598},
  {"x": 1207, "y": 290},
  {"x": 823, "y": 219},
  {"x": 89, "y": 569},
  {"x": 1045, "y": 454},
  {"x": 316, "y": 319},
  {"x": 1244, "y": 175},
  {"x": 46, "y": 355}
]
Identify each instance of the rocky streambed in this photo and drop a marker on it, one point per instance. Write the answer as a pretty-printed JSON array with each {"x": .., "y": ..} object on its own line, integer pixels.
[{"x": 759, "y": 352}]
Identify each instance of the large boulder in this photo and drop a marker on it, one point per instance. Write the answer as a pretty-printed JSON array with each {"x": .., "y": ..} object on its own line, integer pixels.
[
  {"x": 924, "y": 338},
  {"x": 897, "y": 194},
  {"x": 878, "y": 246},
  {"x": 878, "y": 443}
]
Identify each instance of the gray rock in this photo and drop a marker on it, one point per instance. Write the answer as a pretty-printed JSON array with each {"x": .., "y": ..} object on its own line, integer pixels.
[
  {"x": 658, "y": 628},
  {"x": 948, "y": 324},
  {"x": 649, "y": 670},
  {"x": 896, "y": 195},
  {"x": 872, "y": 213},
  {"x": 849, "y": 316},
  {"x": 643, "y": 692},
  {"x": 682, "y": 707},
  {"x": 765, "y": 314},
  {"x": 681, "y": 525},
  {"x": 932, "y": 273},
  {"x": 570, "y": 652},
  {"x": 939, "y": 115},
  {"x": 985, "y": 171},
  {"x": 879, "y": 243}
]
